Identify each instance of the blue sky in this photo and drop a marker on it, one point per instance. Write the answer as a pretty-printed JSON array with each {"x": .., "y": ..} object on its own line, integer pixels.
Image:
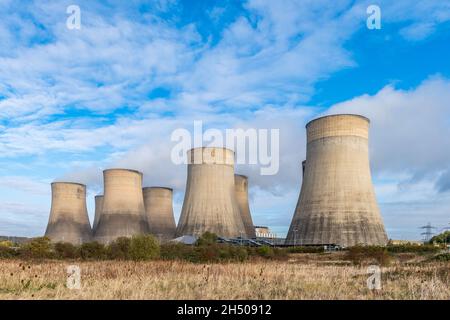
[{"x": 74, "y": 102}]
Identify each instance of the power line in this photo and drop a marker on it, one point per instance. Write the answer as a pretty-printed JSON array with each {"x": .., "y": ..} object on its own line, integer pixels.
[{"x": 428, "y": 232}]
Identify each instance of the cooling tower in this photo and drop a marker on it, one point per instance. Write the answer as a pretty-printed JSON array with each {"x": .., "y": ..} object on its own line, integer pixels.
[
  {"x": 210, "y": 200},
  {"x": 159, "y": 212},
  {"x": 69, "y": 221},
  {"x": 123, "y": 213},
  {"x": 98, "y": 210},
  {"x": 337, "y": 201},
  {"x": 241, "y": 187},
  {"x": 303, "y": 167}
]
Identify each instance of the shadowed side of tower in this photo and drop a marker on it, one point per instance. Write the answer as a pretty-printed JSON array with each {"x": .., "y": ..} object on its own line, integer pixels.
[
  {"x": 69, "y": 220},
  {"x": 98, "y": 210},
  {"x": 210, "y": 200},
  {"x": 337, "y": 201},
  {"x": 159, "y": 212},
  {"x": 241, "y": 187},
  {"x": 123, "y": 213}
]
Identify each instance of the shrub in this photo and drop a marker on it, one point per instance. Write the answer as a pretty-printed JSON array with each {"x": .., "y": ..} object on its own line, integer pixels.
[
  {"x": 177, "y": 251},
  {"x": 6, "y": 243},
  {"x": 442, "y": 257},
  {"x": 64, "y": 250},
  {"x": 360, "y": 254},
  {"x": 144, "y": 247},
  {"x": 207, "y": 239},
  {"x": 265, "y": 251},
  {"x": 37, "y": 248},
  {"x": 304, "y": 249},
  {"x": 7, "y": 252},
  {"x": 92, "y": 251},
  {"x": 412, "y": 248},
  {"x": 119, "y": 249},
  {"x": 444, "y": 237}
]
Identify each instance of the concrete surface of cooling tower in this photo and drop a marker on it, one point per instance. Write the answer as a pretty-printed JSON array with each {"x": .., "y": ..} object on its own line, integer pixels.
[
  {"x": 303, "y": 167},
  {"x": 159, "y": 212},
  {"x": 98, "y": 210},
  {"x": 337, "y": 201},
  {"x": 210, "y": 200},
  {"x": 241, "y": 187},
  {"x": 69, "y": 221},
  {"x": 123, "y": 213}
]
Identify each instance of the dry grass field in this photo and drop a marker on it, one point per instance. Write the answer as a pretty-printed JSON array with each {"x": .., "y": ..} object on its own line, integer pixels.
[{"x": 303, "y": 276}]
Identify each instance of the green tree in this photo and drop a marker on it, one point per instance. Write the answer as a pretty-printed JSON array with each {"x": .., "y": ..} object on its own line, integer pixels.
[
  {"x": 37, "y": 248},
  {"x": 119, "y": 249},
  {"x": 144, "y": 247}
]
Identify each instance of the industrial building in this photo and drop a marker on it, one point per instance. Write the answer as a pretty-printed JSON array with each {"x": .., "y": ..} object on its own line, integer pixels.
[
  {"x": 337, "y": 203},
  {"x": 123, "y": 212},
  {"x": 69, "y": 220},
  {"x": 210, "y": 202},
  {"x": 241, "y": 188},
  {"x": 159, "y": 212}
]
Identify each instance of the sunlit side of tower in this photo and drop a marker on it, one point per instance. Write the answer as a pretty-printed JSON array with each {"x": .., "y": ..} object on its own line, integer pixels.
[
  {"x": 159, "y": 212},
  {"x": 123, "y": 213},
  {"x": 210, "y": 200},
  {"x": 337, "y": 203},
  {"x": 69, "y": 220}
]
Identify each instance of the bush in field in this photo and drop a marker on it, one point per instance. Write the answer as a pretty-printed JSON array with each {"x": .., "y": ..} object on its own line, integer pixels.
[
  {"x": 265, "y": 252},
  {"x": 37, "y": 248},
  {"x": 444, "y": 257},
  {"x": 64, "y": 250},
  {"x": 361, "y": 254},
  {"x": 119, "y": 249},
  {"x": 92, "y": 251},
  {"x": 177, "y": 251},
  {"x": 305, "y": 249},
  {"x": 6, "y": 243},
  {"x": 412, "y": 248},
  {"x": 144, "y": 247},
  {"x": 8, "y": 252},
  {"x": 441, "y": 238},
  {"x": 207, "y": 239}
]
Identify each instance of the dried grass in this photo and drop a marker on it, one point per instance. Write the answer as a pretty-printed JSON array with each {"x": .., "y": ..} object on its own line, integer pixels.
[{"x": 297, "y": 278}]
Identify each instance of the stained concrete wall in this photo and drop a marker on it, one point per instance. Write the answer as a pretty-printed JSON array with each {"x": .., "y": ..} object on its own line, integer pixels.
[
  {"x": 159, "y": 212},
  {"x": 69, "y": 220},
  {"x": 210, "y": 202},
  {"x": 241, "y": 187},
  {"x": 98, "y": 210},
  {"x": 337, "y": 201},
  {"x": 123, "y": 213}
]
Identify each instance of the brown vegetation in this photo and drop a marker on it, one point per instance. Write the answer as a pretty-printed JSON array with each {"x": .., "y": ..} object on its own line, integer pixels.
[{"x": 301, "y": 276}]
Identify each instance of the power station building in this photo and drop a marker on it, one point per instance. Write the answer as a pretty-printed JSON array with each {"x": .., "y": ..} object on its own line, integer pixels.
[
  {"x": 69, "y": 220},
  {"x": 123, "y": 212},
  {"x": 159, "y": 212},
  {"x": 337, "y": 203},
  {"x": 210, "y": 202},
  {"x": 241, "y": 188}
]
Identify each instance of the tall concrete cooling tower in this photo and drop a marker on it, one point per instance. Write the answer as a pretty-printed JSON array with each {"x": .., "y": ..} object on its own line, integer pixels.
[
  {"x": 210, "y": 200},
  {"x": 69, "y": 221},
  {"x": 123, "y": 213},
  {"x": 241, "y": 187},
  {"x": 159, "y": 212},
  {"x": 337, "y": 201},
  {"x": 98, "y": 210}
]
